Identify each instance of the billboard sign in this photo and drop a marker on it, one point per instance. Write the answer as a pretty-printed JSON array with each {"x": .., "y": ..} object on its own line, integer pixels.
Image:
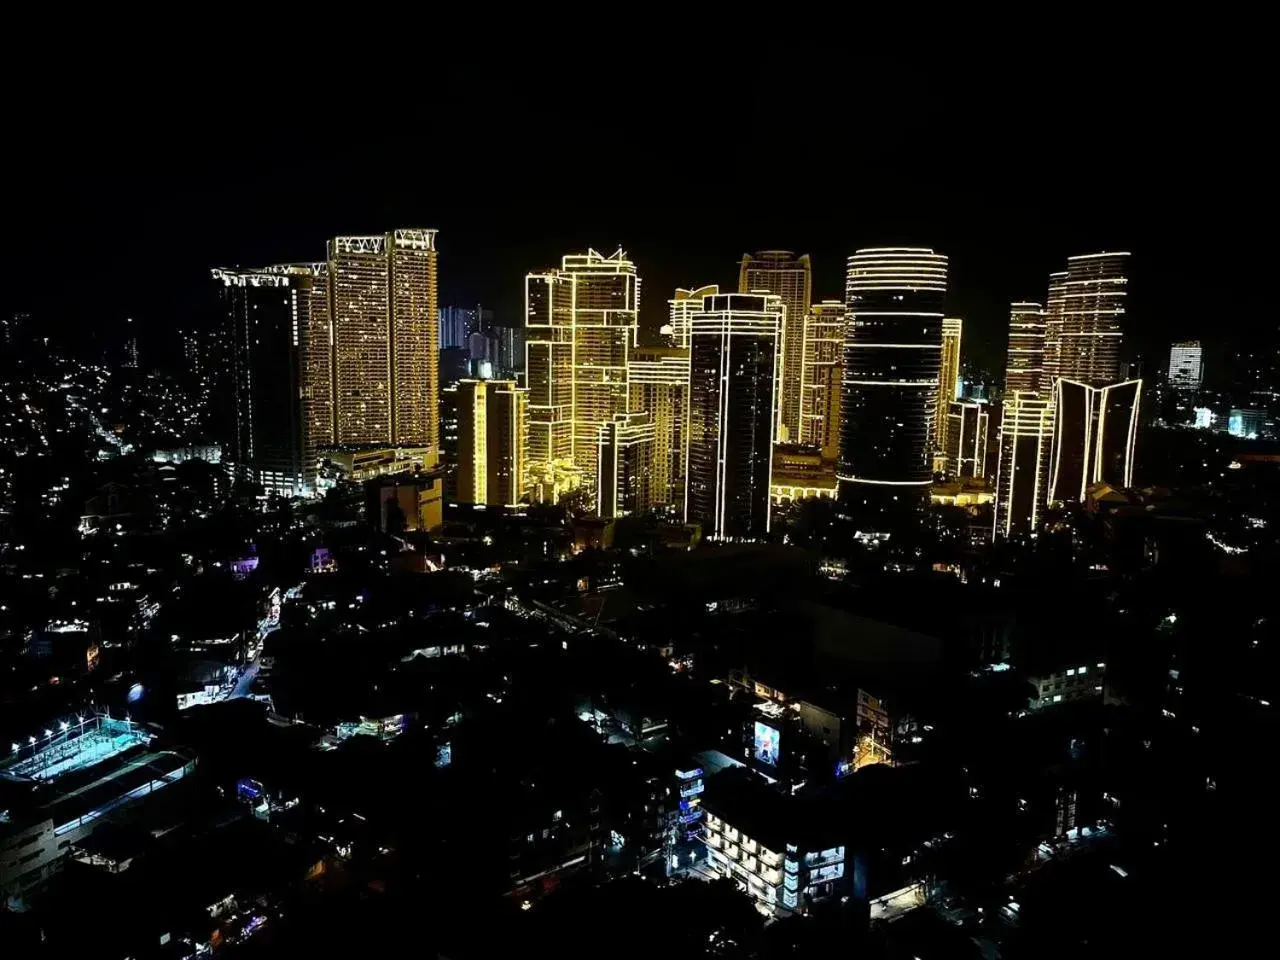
[{"x": 766, "y": 744}]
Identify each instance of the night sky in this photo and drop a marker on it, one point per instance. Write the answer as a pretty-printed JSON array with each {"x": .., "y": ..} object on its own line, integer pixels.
[{"x": 120, "y": 209}]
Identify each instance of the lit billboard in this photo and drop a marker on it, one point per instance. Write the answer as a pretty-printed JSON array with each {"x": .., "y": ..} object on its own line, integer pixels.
[{"x": 766, "y": 744}]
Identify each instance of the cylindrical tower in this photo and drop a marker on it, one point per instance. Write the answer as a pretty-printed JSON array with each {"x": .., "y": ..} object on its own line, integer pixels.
[{"x": 892, "y": 355}]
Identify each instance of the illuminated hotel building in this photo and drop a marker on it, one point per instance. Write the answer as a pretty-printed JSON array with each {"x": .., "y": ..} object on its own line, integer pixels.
[
  {"x": 624, "y": 483},
  {"x": 1186, "y": 369},
  {"x": 948, "y": 374},
  {"x": 581, "y": 322},
  {"x": 383, "y": 329},
  {"x": 682, "y": 306},
  {"x": 492, "y": 426},
  {"x": 1096, "y": 415},
  {"x": 734, "y": 369},
  {"x": 820, "y": 389},
  {"x": 892, "y": 356},
  {"x": 1022, "y": 469},
  {"x": 658, "y": 384},
  {"x": 787, "y": 276},
  {"x": 267, "y": 321},
  {"x": 967, "y": 438},
  {"x": 1024, "y": 372}
]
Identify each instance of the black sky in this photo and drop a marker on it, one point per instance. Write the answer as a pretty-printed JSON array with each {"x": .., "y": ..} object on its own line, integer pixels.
[{"x": 121, "y": 206}]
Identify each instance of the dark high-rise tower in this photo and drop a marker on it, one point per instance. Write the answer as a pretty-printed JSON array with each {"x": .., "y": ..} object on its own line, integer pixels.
[
  {"x": 265, "y": 320},
  {"x": 892, "y": 356},
  {"x": 735, "y": 365}
]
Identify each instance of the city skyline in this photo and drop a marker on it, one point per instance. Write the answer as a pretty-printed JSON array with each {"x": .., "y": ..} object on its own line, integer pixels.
[{"x": 519, "y": 517}]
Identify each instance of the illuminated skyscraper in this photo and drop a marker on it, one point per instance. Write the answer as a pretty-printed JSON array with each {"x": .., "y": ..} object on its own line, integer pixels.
[
  {"x": 967, "y": 438},
  {"x": 685, "y": 303},
  {"x": 492, "y": 427},
  {"x": 1053, "y": 330},
  {"x": 625, "y": 473},
  {"x": 820, "y": 396},
  {"x": 892, "y": 356},
  {"x": 1022, "y": 470},
  {"x": 1093, "y": 303},
  {"x": 266, "y": 325},
  {"x": 787, "y": 276},
  {"x": 1186, "y": 369},
  {"x": 734, "y": 368},
  {"x": 948, "y": 374},
  {"x": 384, "y": 335},
  {"x": 1095, "y": 433},
  {"x": 1024, "y": 372},
  {"x": 581, "y": 322},
  {"x": 1096, "y": 420},
  {"x": 658, "y": 384}
]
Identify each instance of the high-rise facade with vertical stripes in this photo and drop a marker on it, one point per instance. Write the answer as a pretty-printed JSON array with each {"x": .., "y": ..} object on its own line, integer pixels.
[
  {"x": 788, "y": 277},
  {"x": 581, "y": 321},
  {"x": 1024, "y": 369},
  {"x": 735, "y": 365},
  {"x": 948, "y": 374},
  {"x": 820, "y": 388}
]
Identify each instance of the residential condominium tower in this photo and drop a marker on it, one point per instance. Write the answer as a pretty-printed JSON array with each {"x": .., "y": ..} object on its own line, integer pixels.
[
  {"x": 581, "y": 322},
  {"x": 948, "y": 374},
  {"x": 384, "y": 340},
  {"x": 266, "y": 323},
  {"x": 735, "y": 365},
  {"x": 1186, "y": 366},
  {"x": 892, "y": 358},
  {"x": 1096, "y": 414},
  {"x": 1024, "y": 370},
  {"x": 658, "y": 384},
  {"x": 492, "y": 425},
  {"x": 820, "y": 388},
  {"x": 787, "y": 276}
]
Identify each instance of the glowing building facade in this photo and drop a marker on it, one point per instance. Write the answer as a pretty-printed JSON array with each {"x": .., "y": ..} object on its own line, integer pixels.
[
  {"x": 1096, "y": 422},
  {"x": 681, "y": 307},
  {"x": 786, "y": 276},
  {"x": 1025, "y": 372},
  {"x": 1053, "y": 329},
  {"x": 581, "y": 323},
  {"x": 967, "y": 438},
  {"x": 1022, "y": 469},
  {"x": 658, "y": 384},
  {"x": 948, "y": 375},
  {"x": 820, "y": 388},
  {"x": 624, "y": 476},
  {"x": 1095, "y": 432},
  {"x": 1088, "y": 318},
  {"x": 892, "y": 358},
  {"x": 735, "y": 365},
  {"x": 1186, "y": 366},
  {"x": 492, "y": 427},
  {"x": 266, "y": 316},
  {"x": 383, "y": 328}
]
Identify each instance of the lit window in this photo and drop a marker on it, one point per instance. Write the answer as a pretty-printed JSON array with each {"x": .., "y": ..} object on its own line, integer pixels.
[
  {"x": 1057, "y": 698},
  {"x": 1071, "y": 672}
]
